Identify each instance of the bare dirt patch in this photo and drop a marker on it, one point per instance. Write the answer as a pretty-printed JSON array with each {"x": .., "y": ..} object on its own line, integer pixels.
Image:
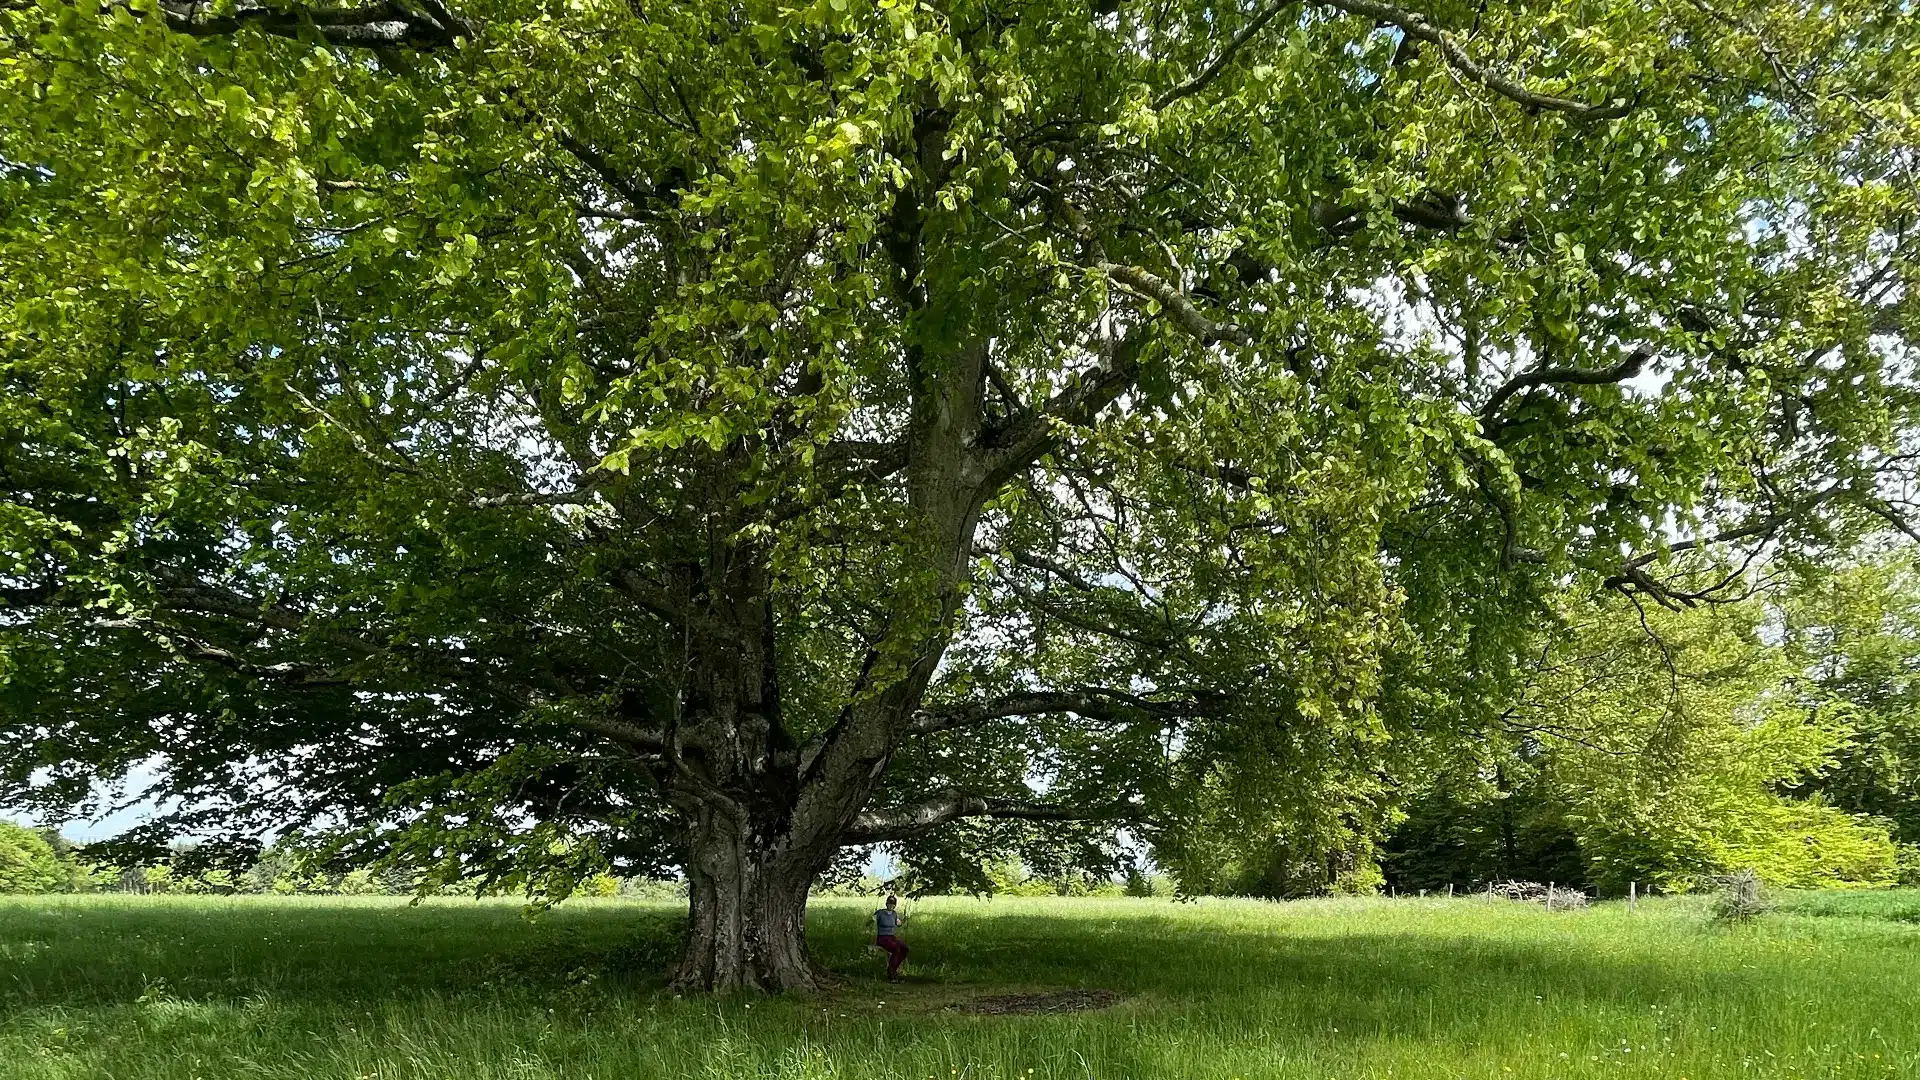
[{"x": 1051, "y": 1001}]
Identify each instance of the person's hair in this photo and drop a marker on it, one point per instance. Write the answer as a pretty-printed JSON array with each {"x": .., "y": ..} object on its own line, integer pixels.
[{"x": 892, "y": 900}]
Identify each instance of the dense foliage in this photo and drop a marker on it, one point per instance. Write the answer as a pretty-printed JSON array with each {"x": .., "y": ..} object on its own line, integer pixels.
[
  {"x": 27, "y": 862},
  {"x": 1856, "y": 635},
  {"x": 1658, "y": 749},
  {"x": 520, "y": 439}
]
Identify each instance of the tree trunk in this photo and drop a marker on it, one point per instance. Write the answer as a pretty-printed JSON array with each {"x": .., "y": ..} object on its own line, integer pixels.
[
  {"x": 763, "y": 819},
  {"x": 748, "y": 906}
]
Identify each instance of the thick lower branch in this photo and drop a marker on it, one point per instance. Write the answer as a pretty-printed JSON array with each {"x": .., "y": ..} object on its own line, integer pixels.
[
  {"x": 633, "y": 735},
  {"x": 901, "y": 823},
  {"x": 580, "y": 496},
  {"x": 1095, "y": 702}
]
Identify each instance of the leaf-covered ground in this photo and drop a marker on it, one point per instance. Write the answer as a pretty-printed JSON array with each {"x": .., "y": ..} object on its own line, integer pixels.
[{"x": 216, "y": 988}]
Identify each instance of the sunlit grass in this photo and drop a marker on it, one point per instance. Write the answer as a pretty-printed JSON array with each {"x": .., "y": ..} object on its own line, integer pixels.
[{"x": 215, "y": 988}]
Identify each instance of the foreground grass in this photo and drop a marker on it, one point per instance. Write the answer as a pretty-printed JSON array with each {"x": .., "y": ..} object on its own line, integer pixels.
[{"x": 218, "y": 988}]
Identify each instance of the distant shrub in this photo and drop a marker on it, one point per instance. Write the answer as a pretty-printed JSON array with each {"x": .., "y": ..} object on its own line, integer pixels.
[
  {"x": 1010, "y": 877},
  {"x": 1138, "y": 884},
  {"x": 1810, "y": 845},
  {"x": 1907, "y": 865},
  {"x": 279, "y": 871},
  {"x": 600, "y": 885},
  {"x": 643, "y": 888},
  {"x": 81, "y": 876},
  {"x": 361, "y": 883},
  {"x": 1363, "y": 878},
  {"x": 863, "y": 885},
  {"x": 1741, "y": 896},
  {"x": 1291, "y": 871},
  {"x": 27, "y": 863},
  {"x": 275, "y": 871}
]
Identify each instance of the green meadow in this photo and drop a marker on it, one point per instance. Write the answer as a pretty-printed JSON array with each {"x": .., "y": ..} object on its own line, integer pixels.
[{"x": 222, "y": 988}]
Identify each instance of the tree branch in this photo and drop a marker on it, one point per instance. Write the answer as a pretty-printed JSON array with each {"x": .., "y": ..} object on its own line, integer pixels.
[
  {"x": 1042, "y": 563},
  {"x": 1092, "y": 701},
  {"x": 1632, "y": 365},
  {"x": 200, "y": 650},
  {"x": 199, "y": 598},
  {"x": 1212, "y": 70},
  {"x": 621, "y": 731},
  {"x": 1079, "y": 621},
  {"x": 1885, "y": 511},
  {"x": 399, "y": 463},
  {"x": 904, "y": 822},
  {"x": 193, "y": 597},
  {"x": 1176, "y": 304},
  {"x": 1436, "y": 210},
  {"x": 1027, "y": 437},
  {"x": 1014, "y": 445},
  {"x": 1887, "y": 319},
  {"x": 580, "y": 496},
  {"x": 1632, "y": 576},
  {"x": 387, "y": 24},
  {"x": 862, "y": 461},
  {"x": 658, "y": 198},
  {"x": 18, "y": 596},
  {"x": 1415, "y": 25}
]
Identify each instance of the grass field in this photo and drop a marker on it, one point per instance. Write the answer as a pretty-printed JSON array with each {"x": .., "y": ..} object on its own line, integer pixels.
[{"x": 218, "y": 988}]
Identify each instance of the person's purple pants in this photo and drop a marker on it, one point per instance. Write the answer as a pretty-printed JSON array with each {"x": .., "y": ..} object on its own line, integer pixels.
[{"x": 896, "y": 952}]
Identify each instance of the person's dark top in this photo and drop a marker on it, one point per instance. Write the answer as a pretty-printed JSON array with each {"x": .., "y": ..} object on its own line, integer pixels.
[{"x": 887, "y": 920}]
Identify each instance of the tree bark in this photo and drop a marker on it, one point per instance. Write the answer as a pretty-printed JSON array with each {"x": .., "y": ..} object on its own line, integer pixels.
[
  {"x": 747, "y": 911},
  {"x": 765, "y": 818}
]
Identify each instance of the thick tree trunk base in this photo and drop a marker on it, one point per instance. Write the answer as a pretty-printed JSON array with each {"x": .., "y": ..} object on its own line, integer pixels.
[
  {"x": 760, "y": 957},
  {"x": 747, "y": 927}
]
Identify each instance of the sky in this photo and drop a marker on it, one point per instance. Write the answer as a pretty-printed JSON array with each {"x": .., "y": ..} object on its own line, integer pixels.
[{"x": 89, "y": 830}]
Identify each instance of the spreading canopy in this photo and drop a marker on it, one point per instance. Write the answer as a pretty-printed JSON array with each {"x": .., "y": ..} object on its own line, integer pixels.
[{"x": 714, "y": 433}]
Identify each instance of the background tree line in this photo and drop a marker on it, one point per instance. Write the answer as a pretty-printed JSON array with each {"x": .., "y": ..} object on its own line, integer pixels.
[{"x": 1650, "y": 744}]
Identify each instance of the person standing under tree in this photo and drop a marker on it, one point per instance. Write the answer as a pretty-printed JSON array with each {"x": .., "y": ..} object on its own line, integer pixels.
[{"x": 887, "y": 922}]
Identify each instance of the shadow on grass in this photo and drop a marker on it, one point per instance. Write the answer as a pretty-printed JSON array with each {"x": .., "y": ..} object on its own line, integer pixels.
[{"x": 73, "y": 954}]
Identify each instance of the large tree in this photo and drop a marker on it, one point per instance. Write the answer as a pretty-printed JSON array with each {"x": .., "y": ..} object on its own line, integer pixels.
[{"x": 523, "y": 435}]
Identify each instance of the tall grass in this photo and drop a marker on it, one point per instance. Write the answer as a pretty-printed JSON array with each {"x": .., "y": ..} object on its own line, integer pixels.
[{"x": 133, "y": 988}]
